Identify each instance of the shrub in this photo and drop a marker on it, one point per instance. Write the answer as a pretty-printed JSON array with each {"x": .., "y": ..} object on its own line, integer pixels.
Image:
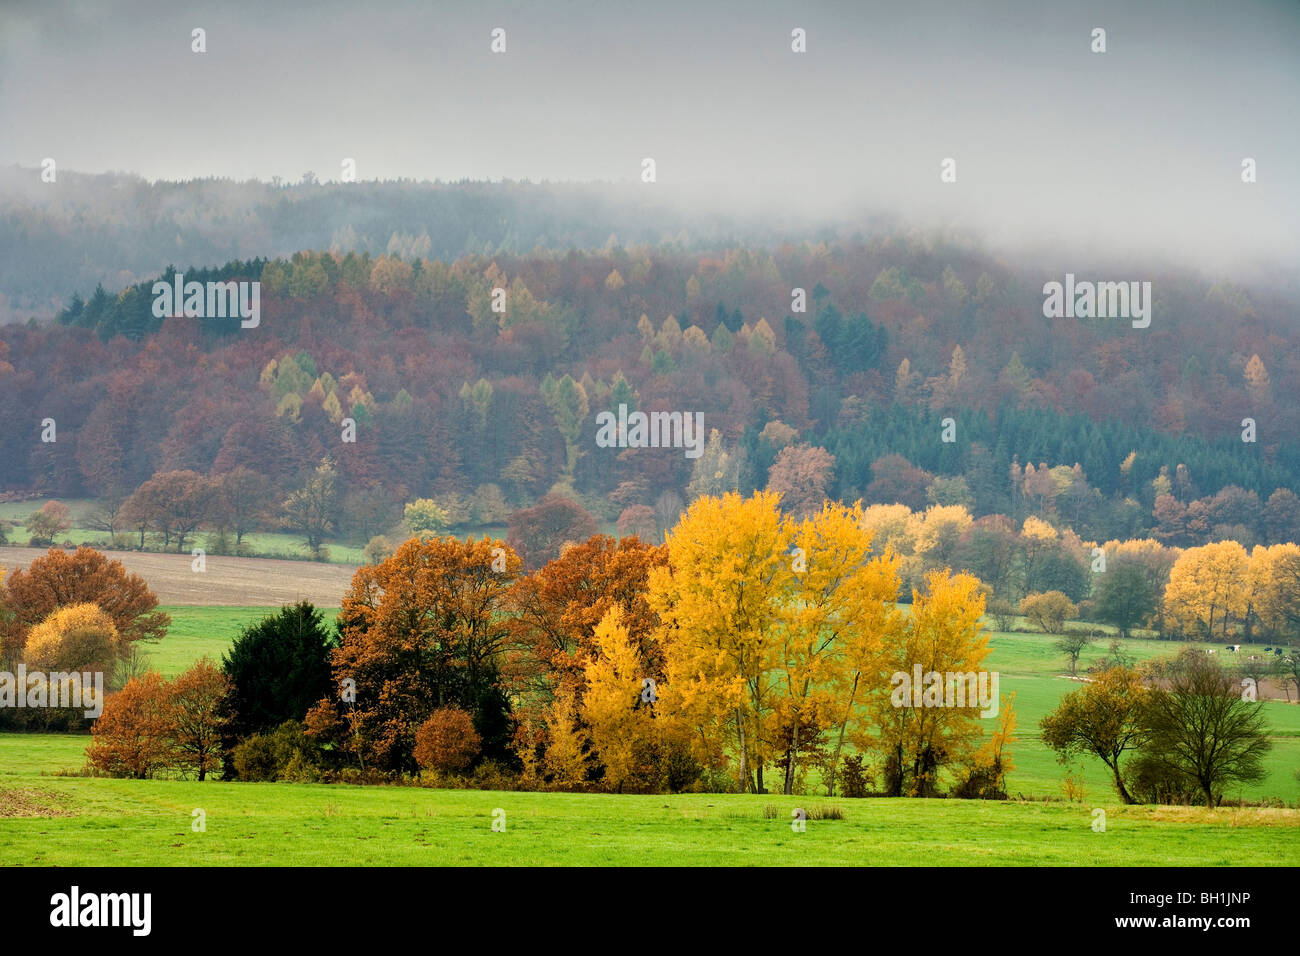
[
  {"x": 285, "y": 754},
  {"x": 1048, "y": 611},
  {"x": 447, "y": 742},
  {"x": 76, "y": 637},
  {"x": 854, "y": 778},
  {"x": 490, "y": 775},
  {"x": 378, "y": 549},
  {"x": 1003, "y": 613},
  {"x": 1149, "y": 780},
  {"x": 678, "y": 768},
  {"x": 982, "y": 782}
]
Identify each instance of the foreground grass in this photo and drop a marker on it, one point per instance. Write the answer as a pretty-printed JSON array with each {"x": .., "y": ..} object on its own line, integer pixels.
[{"x": 132, "y": 823}]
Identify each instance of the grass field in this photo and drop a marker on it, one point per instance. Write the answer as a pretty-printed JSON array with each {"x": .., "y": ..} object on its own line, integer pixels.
[
  {"x": 197, "y": 631},
  {"x": 50, "y": 819},
  {"x": 123, "y": 822}
]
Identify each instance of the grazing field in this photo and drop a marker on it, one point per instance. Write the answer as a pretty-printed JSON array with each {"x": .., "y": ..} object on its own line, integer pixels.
[
  {"x": 199, "y": 631},
  {"x": 125, "y": 822},
  {"x": 263, "y": 545}
]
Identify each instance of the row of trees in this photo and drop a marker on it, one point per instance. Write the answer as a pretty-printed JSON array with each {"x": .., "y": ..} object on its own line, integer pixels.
[{"x": 753, "y": 650}]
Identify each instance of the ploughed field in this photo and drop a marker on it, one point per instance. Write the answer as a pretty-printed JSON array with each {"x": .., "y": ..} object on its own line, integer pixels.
[{"x": 225, "y": 581}]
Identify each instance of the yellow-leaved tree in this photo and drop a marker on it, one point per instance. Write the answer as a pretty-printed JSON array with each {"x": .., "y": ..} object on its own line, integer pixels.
[
  {"x": 1274, "y": 576},
  {"x": 721, "y": 600},
  {"x": 618, "y": 706},
  {"x": 842, "y": 613},
  {"x": 919, "y": 733},
  {"x": 1208, "y": 587},
  {"x": 78, "y": 637},
  {"x": 567, "y": 757}
]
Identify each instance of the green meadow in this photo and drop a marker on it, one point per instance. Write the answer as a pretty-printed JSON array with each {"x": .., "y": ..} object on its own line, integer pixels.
[{"x": 157, "y": 822}]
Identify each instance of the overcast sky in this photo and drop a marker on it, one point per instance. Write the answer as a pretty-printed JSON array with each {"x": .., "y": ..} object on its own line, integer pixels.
[{"x": 1137, "y": 148}]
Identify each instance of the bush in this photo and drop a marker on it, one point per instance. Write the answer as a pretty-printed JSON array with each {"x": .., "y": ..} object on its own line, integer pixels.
[
  {"x": 378, "y": 549},
  {"x": 1148, "y": 780},
  {"x": 678, "y": 768},
  {"x": 1003, "y": 613},
  {"x": 982, "y": 782},
  {"x": 285, "y": 754},
  {"x": 855, "y": 780},
  {"x": 447, "y": 742},
  {"x": 490, "y": 775},
  {"x": 1049, "y": 611}
]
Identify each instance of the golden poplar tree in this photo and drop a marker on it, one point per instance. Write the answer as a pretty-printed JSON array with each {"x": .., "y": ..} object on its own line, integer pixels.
[
  {"x": 618, "y": 705},
  {"x": 721, "y": 598},
  {"x": 944, "y": 635},
  {"x": 1207, "y": 588}
]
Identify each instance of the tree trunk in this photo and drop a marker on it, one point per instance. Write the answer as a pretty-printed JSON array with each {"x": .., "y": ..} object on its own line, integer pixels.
[
  {"x": 1124, "y": 796},
  {"x": 789, "y": 764},
  {"x": 839, "y": 744},
  {"x": 744, "y": 752}
]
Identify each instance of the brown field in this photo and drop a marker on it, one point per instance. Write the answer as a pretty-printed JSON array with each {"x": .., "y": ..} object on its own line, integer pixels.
[{"x": 230, "y": 582}]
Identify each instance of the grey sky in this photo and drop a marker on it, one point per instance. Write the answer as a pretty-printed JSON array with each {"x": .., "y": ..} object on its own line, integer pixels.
[{"x": 1135, "y": 149}]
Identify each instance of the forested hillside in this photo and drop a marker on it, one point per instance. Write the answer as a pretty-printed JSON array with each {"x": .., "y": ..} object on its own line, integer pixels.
[{"x": 1112, "y": 431}]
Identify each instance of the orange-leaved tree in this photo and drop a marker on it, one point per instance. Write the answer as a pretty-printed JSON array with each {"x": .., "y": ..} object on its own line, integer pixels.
[
  {"x": 59, "y": 579},
  {"x": 422, "y": 630},
  {"x": 135, "y": 735}
]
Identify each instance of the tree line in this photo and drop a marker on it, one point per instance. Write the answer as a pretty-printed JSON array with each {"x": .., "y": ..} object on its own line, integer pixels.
[{"x": 754, "y": 650}]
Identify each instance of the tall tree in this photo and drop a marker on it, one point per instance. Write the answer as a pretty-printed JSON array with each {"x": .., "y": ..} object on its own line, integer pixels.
[
  {"x": 1201, "y": 728},
  {"x": 1107, "y": 718},
  {"x": 721, "y": 598},
  {"x": 310, "y": 510},
  {"x": 423, "y": 630}
]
